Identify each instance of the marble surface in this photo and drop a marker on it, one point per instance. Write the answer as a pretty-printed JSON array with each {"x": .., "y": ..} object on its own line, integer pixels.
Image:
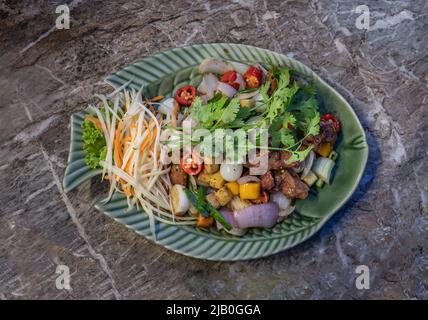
[{"x": 47, "y": 74}]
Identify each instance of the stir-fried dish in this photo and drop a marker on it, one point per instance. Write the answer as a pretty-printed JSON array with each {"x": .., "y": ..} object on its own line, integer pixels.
[{"x": 233, "y": 153}]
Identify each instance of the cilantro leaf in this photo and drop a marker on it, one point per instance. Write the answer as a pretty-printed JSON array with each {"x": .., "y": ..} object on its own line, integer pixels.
[
  {"x": 287, "y": 138},
  {"x": 243, "y": 113},
  {"x": 308, "y": 117},
  {"x": 276, "y": 125},
  {"x": 196, "y": 109},
  {"x": 308, "y": 107},
  {"x": 289, "y": 120},
  {"x": 299, "y": 155},
  {"x": 236, "y": 124},
  {"x": 276, "y": 139},
  {"x": 230, "y": 112},
  {"x": 220, "y": 112},
  {"x": 264, "y": 90},
  {"x": 281, "y": 98},
  {"x": 313, "y": 127}
]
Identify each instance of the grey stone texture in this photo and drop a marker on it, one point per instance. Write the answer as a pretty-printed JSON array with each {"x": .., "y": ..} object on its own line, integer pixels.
[{"x": 47, "y": 74}]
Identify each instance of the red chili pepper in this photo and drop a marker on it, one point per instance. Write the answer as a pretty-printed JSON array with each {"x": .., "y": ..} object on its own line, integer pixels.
[
  {"x": 253, "y": 77},
  {"x": 230, "y": 77},
  {"x": 333, "y": 119},
  {"x": 185, "y": 95},
  {"x": 191, "y": 164}
]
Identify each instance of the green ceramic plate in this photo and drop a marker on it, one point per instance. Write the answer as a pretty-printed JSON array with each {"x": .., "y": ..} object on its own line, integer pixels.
[{"x": 162, "y": 74}]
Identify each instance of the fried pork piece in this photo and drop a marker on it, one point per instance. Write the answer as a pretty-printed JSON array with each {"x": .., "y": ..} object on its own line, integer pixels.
[
  {"x": 267, "y": 181},
  {"x": 315, "y": 141},
  {"x": 328, "y": 132},
  {"x": 291, "y": 185},
  {"x": 278, "y": 160},
  {"x": 285, "y": 181},
  {"x": 178, "y": 176}
]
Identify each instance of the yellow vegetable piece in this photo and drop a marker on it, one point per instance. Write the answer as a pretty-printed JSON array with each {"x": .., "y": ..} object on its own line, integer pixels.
[
  {"x": 233, "y": 187},
  {"x": 216, "y": 180},
  {"x": 212, "y": 200},
  {"x": 250, "y": 191},
  {"x": 204, "y": 179},
  {"x": 325, "y": 149},
  {"x": 247, "y": 103},
  {"x": 211, "y": 168},
  {"x": 223, "y": 196}
]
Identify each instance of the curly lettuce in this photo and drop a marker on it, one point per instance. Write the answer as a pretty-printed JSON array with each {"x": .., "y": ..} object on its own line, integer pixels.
[{"x": 94, "y": 145}]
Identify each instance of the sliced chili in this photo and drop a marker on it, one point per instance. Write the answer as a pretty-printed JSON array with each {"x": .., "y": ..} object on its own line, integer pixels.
[
  {"x": 191, "y": 164},
  {"x": 253, "y": 77},
  {"x": 185, "y": 95},
  {"x": 230, "y": 77}
]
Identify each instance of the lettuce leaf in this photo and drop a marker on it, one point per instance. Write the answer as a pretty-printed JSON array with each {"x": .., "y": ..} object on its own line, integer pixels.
[{"x": 94, "y": 145}]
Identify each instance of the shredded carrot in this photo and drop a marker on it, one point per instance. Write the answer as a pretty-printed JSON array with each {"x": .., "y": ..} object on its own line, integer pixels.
[
  {"x": 128, "y": 164},
  {"x": 145, "y": 143},
  {"x": 117, "y": 147},
  {"x": 157, "y": 98},
  {"x": 174, "y": 113},
  {"x": 126, "y": 190},
  {"x": 95, "y": 121},
  {"x": 133, "y": 134},
  {"x": 148, "y": 133},
  {"x": 126, "y": 138},
  {"x": 118, "y": 157},
  {"x": 152, "y": 144},
  {"x": 153, "y": 139}
]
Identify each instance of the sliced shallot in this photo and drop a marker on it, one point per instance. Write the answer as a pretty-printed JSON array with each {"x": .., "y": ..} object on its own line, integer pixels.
[
  {"x": 208, "y": 86},
  {"x": 226, "y": 89},
  {"x": 228, "y": 215},
  {"x": 261, "y": 215},
  {"x": 248, "y": 95},
  {"x": 309, "y": 161},
  {"x": 214, "y": 65},
  {"x": 246, "y": 179}
]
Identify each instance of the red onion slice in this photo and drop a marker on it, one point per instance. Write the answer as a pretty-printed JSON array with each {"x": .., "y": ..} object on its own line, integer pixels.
[
  {"x": 228, "y": 215},
  {"x": 246, "y": 179},
  {"x": 188, "y": 124},
  {"x": 226, "y": 89},
  {"x": 248, "y": 95},
  {"x": 261, "y": 215},
  {"x": 309, "y": 161},
  {"x": 241, "y": 81},
  {"x": 214, "y": 65},
  {"x": 281, "y": 200},
  {"x": 284, "y": 214},
  {"x": 240, "y": 67},
  {"x": 208, "y": 86}
]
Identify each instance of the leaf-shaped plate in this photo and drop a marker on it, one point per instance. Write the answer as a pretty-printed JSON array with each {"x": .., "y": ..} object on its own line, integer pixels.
[{"x": 162, "y": 74}]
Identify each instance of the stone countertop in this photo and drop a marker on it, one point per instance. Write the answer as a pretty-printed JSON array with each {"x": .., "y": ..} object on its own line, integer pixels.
[{"x": 47, "y": 74}]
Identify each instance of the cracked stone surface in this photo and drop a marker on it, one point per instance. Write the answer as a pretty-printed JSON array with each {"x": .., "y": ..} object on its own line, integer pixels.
[{"x": 47, "y": 74}]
